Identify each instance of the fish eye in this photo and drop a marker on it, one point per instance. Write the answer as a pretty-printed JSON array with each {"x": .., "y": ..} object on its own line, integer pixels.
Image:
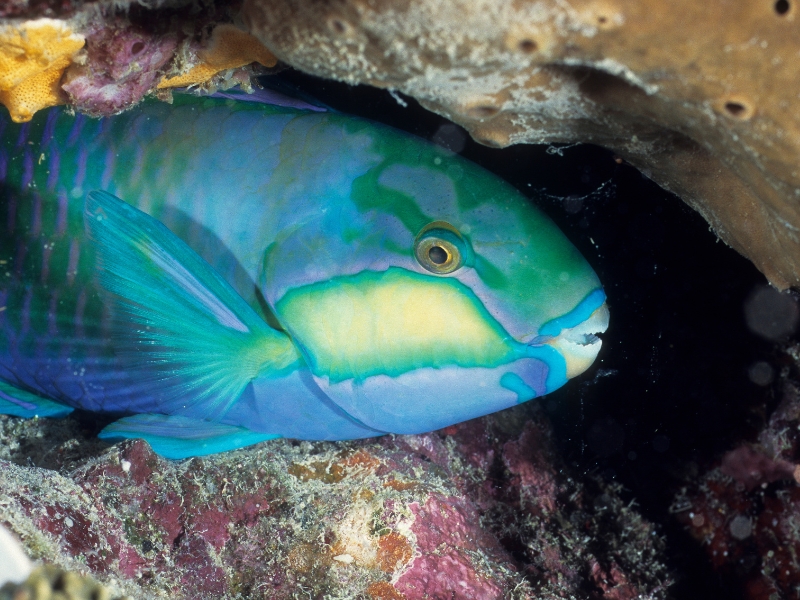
[
  {"x": 440, "y": 249},
  {"x": 438, "y": 255}
]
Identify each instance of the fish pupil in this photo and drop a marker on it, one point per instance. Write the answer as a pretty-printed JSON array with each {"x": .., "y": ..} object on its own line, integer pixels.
[{"x": 438, "y": 255}]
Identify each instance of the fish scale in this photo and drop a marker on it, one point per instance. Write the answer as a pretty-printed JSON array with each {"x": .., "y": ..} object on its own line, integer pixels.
[{"x": 225, "y": 272}]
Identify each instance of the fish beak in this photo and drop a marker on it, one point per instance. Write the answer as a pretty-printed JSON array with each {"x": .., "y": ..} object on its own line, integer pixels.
[{"x": 579, "y": 345}]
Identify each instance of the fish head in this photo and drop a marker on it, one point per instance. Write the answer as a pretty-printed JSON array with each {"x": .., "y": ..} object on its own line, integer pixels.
[{"x": 426, "y": 291}]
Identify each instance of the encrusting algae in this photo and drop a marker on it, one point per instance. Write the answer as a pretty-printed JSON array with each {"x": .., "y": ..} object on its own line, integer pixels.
[
  {"x": 33, "y": 58},
  {"x": 327, "y": 519}
]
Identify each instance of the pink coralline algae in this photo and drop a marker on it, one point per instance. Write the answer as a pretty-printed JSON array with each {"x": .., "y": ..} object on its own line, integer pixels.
[
  {"x": 448, "y": 522},
  {"x": 746, "y": 510},
  {"x": 751, "y": 468},
  {"x": 479, "y": 511},
  {"x": 123, "y": 63},
  {"x": 530, "y": 462}
]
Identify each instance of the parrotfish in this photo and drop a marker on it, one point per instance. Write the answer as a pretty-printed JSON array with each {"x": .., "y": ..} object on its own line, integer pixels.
[{"x": 218, "y": 272}]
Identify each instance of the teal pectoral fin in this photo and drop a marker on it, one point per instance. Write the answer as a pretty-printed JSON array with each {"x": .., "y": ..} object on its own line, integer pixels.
[
  {"x": 178, "y": 437},
  {"x": 19, "y": 403},
  {"x": 177, "y": 322}
]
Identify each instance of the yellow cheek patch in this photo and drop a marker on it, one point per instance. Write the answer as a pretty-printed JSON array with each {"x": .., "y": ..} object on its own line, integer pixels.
[{"x": 390, "y": 323}]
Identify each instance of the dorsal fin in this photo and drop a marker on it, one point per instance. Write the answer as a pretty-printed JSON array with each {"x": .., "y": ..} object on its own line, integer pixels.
[{"x": 274, "y": 93}]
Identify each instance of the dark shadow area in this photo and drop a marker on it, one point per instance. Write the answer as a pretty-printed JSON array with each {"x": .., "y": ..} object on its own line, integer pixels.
[{"x": 55, "y": 444}]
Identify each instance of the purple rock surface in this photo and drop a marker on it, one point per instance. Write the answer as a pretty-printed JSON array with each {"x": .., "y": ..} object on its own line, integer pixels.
[{"x": 123, "y": 63}]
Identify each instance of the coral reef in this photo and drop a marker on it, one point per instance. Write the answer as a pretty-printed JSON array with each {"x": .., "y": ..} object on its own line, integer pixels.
[
  {"x": 33, "y": 58},
  {"x": 125, "y": 60},
  {"x": 696, "y": 95},
  {"x": 481, "y": 510},
  {"x": 122, "y": 64},
  {"x": 125, "y": 57},
  {"x": 746, "y": 510}
]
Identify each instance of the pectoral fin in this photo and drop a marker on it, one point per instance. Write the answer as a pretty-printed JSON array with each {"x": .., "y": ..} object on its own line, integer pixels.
[
  {"x": 177, "y": 437},
  {"x": 19, "y": 403},
  {"x": 178, "y": 323}
]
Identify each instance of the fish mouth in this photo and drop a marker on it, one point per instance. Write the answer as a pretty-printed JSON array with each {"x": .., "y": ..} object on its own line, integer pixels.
[{"x": 579, "y": 345}]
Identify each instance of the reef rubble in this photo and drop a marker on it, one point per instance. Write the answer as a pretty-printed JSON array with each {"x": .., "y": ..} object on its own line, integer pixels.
[{"x": 480, "y": 510}]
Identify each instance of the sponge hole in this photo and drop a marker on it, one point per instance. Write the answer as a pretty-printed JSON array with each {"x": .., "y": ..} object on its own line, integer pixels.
[
  {"x": 736, "y": 108},
  {"x": 782, "y": 7},
  {"x": 483, "y": 111},
  {"x": 340, "y": 27}
]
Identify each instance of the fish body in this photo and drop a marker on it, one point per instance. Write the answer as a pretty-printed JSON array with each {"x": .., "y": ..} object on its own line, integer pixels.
[{"x": 274, "y": 271}]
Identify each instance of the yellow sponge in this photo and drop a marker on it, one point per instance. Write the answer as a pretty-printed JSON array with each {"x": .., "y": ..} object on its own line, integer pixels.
[
  {"x": 229, "y": 48},
  {"x": 33, "y": 57}
]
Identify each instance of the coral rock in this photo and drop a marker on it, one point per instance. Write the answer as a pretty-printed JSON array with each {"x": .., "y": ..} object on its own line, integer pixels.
[
  {"x": 394, "y": 518},
  {"x": 123, "y": 64},
  {"x": 33, "y": 58},
  {"x": 697, "y": 95},
  {"x": 447, "y": 537},
  {"x": 745, "y": 510},
  {"x": 228, "y": 48},
  {"x": 751, "y": 468}
]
